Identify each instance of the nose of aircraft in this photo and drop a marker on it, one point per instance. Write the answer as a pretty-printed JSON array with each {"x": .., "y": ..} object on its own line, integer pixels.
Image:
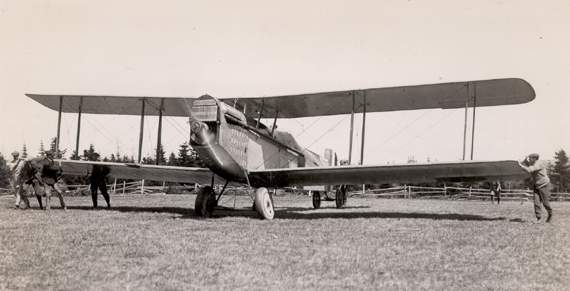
[{"x": 199, "y": 132}]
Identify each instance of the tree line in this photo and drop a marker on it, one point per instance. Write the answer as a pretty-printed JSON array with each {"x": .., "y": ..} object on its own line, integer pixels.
[
  {"x": 185, "y": 157},
  {"x": 558, "y": 169}
]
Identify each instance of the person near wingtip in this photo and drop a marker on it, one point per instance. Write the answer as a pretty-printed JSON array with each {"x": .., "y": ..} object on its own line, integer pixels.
[
  {"x": 98, "y": 182},
  {"x": 496, "y": 191},
  {"x": 540, "y": 184}
]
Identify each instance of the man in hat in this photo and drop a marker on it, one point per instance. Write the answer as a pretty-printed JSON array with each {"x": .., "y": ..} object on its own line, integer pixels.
[
  {"x": 14, "y": 170},
  {"x": 98, "y": 182},
  {"x": 540, "y": 184},
  {"x": 496, "y": 191},
  {"x": 15, "y": 160}
]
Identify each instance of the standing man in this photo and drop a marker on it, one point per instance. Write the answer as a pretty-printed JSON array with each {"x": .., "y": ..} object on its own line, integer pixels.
[
  {"x": 15, "y": 161},
  {"x": 12, "y": 166},
  {"x": 14, "y": 169},
  {"x": 540, "y": 185},
  {"x": 98, "y": 181},
  {"x": 496, "y": 191}
]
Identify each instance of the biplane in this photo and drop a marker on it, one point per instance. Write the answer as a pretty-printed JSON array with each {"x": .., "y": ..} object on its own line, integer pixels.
[{"x": 237, "y": 148}]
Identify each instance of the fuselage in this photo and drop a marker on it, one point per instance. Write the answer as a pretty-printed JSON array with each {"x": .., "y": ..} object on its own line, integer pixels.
[{"x": 232, "y": 144}]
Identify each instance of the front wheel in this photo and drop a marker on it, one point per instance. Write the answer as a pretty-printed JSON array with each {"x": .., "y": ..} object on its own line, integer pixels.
[
  {"x": 263, "y": 203},
  {"x": 317, "y": 199},
  {"x": 205, "y": 202}
]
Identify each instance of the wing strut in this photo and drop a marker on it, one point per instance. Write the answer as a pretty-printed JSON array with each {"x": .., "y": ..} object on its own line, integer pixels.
[
  {"x": 79, "y": 109},
  {"x": 353, "y": 94},
  {"x": 473, "y": 128},
  {"x": 159, "y": 137},
  {"x": 465, "y": 128},
  {"x": 362, "y": 143},
  {"x": 274, "y": 122},
  {"x": 58, "y": 125},
  {"x": 363, "y": 127},
  {"x": 351, "y": 130},
  {"x": 141, "y": 130}
]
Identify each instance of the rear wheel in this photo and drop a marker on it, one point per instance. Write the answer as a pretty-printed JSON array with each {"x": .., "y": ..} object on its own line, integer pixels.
[
  {"x": 263, "y": 203},
  {"x": 317, "y": 199},
  {"x": 205, "y": 202},
  {"x": 340, "y": 196}
]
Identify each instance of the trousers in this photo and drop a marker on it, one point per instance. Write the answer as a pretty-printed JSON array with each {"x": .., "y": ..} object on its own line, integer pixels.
[
  {"x": 102, "y": 186},
  {"x": 542, "y": 197}
]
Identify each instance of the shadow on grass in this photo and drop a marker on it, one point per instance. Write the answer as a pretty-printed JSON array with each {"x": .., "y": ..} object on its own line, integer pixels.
[
  {"x": 399, "y": 215},
  {"x": 295, "y": 213},
  {"x": 151, "y": 209}
]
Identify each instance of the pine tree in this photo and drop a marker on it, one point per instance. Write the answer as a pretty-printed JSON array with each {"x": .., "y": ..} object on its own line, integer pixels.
[
  {"x": 4, "y": 172},
  {"x": 161, "y": 157},
  {"x": 74, "y": 156},
  {"x": 172, "y": 161},
  {"x": 148, "y": 160},
  {"x": 184, "y": 158},
  {"x": 24, "y": 154},
  {"x": 42, "y": 149},
  {"x": 58, "y": 154},
  {"x": 561, "y": 170},
  {"x": 127, "y": 159},
  {"x": 90, "y": 154}
]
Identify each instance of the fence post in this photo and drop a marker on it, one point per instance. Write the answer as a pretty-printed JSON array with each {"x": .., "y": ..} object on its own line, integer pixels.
[
  {"x": 142, "y": 186},
  {"x": 115, "y": 186},
  {"x": 470, "y": 188},
  {"x": 124, "y": 186}
]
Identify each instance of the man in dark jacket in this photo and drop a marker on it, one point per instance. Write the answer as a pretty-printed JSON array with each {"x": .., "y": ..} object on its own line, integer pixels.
[
  {"x": 540, "y": 184},
  {"x": 496, "y": 191},
  {"x": 98, "y": 181}
]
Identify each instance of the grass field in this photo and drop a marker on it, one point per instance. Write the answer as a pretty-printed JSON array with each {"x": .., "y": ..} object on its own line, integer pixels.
[{"x": 153, "y": 242}]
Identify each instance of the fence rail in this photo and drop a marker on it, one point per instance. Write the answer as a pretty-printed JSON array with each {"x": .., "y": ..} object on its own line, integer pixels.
[{"x": 407, "y": 191}]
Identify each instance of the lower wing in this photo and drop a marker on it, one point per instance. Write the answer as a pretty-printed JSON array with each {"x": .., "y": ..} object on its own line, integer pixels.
[
  {"x": 404, "y": 173},
  {"x": 140, "y": 171}
]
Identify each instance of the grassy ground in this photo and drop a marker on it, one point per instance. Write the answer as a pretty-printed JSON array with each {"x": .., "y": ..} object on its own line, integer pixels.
[{"x": 152, "y": 242}]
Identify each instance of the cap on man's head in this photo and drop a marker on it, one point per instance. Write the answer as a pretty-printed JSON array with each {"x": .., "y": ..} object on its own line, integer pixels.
[
  {"x": 15, "y": 153},
  {"x": 533, "y": 156}
]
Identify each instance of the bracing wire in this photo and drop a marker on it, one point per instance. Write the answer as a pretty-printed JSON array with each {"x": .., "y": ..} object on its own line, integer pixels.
[{"x": 401, "y": 130}]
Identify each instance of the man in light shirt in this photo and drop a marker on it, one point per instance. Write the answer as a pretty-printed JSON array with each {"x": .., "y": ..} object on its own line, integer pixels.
[
  {"x": 540, "y": 185},
  {"x": 14, "y": 166}
]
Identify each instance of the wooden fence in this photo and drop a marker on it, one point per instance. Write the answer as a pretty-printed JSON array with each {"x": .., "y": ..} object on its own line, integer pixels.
[
  {"x": 134, "y": 187},
  {"x": 409, "y": 192},
  {"x": 406, "y": 191}
]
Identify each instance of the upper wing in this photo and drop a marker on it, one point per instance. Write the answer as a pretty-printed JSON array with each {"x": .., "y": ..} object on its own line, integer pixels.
[
  {"x": 139, "y": 171},
  {"x": 121, "y": 105},
  {"x": 444, "y": 95},
  {"x": 405, "y": 173}
]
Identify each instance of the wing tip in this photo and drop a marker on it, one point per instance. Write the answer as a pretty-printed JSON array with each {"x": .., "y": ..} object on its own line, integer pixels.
[{"x": 526, "y": 85}]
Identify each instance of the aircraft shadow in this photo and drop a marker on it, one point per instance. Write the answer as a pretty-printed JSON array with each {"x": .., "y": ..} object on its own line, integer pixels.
[
  {"x": 299, "y": 213},
  {"x": 293, "y": 213},
  {"x": 152, "y": 209}
]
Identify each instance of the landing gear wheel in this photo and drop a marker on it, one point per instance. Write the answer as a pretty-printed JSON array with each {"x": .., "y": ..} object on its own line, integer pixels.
[
  {"x": 340, "y": 196},
  {"x": 205, "y": 202},
  {"x": 317, "y": 199},
  {"x": 263, "y": 203}
]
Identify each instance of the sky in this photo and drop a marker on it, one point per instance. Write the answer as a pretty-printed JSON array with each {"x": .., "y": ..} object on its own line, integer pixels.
[{"x": 266, "y": 48}]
